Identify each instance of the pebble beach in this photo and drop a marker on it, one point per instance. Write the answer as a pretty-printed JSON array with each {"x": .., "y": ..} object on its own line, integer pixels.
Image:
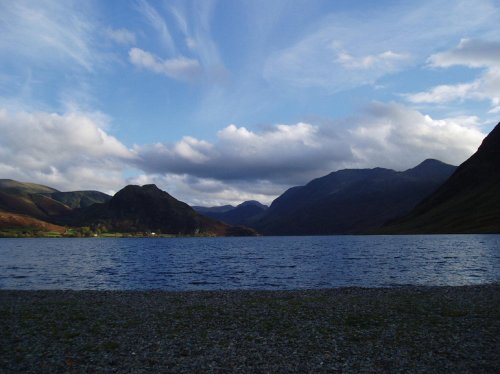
[{"x": 351, "y": 330}]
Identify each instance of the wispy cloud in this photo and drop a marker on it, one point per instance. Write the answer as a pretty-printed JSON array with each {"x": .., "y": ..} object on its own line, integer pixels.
[
  {"x": 345, "y": 51},
  {"x": 201, "y": 38},
  {"x": 121, "y": 36},
  {"x": 159, "y": 24},
  {"x": 186, "y": 32},
  {"x": 48, "y": 32},
  {"x": 177, "y": 68},
  {"x": 386, "y": 61}
]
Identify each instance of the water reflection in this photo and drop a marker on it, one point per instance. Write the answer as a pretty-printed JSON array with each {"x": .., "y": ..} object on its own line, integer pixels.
[{"x": 249, "y": 263}]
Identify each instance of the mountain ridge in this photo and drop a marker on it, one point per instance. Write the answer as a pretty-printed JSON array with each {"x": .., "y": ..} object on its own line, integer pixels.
[{"x": 351, "y": 201}]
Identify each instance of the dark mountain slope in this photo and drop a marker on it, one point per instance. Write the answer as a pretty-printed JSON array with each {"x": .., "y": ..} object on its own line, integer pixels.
[
  {"x": 469, "y": 201},
  {"x": 147, "y": 208},
  {"x": 244, "y": 214},
  {"x": 352, "y": 201}
]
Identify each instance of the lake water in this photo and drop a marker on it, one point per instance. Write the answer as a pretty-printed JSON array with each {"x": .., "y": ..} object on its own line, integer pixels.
[{"x": 249, "y": 263}]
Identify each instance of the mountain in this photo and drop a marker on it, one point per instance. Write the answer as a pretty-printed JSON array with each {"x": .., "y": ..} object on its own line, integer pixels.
[
  {"x": 36, "y": 207},
  {"x": 43, "y": 202},
  {"x": 40, "y": 208},
  {"x": 468, "y": 202},
  {"x": 352, "y": 200},
  {"x": 147, "y": 208},
  {"x": 244, "y": 214},
  {"x": 30, "y": 199}
]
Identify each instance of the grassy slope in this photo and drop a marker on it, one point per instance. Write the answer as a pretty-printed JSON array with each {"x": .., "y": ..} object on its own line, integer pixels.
[{"x": 14, "y": 222}]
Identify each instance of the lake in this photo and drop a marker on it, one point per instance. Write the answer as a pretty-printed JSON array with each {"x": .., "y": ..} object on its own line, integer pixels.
[{"x": 269, "y": 263}]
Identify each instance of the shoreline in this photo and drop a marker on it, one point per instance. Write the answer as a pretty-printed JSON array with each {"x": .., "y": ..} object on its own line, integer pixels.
[
  {"x": 347, "y": 329},
  {"x": 409, "y": 287}
]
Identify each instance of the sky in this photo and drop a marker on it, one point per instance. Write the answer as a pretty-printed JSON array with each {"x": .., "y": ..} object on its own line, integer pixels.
[{"x": 218, "y": 102}]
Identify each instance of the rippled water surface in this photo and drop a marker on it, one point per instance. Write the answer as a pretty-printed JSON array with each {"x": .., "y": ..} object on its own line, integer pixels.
[{"x": 249, "y": 263}]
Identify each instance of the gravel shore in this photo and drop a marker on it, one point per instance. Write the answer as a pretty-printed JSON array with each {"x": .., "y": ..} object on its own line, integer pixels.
[{"x": 352, "y": 330}]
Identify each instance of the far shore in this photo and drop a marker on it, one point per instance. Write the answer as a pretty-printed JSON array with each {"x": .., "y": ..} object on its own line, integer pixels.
[{"x": 407, "y": 329}]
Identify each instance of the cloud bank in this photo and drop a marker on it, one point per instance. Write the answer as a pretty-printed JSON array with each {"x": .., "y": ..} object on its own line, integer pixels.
[
  {"x": 73, "y": 151},
  {"x": 388, "y": 135}
]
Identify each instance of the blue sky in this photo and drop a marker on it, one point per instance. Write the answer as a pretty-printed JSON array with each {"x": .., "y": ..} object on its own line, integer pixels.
[{"x": 223, "y": 101}]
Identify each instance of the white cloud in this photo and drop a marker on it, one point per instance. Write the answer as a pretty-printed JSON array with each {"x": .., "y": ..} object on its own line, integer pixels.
[
  {"x": 444, "y": 93},
  {"x": 70, "y": 151},
  {"x": 470, "y": 53},
  {"x": 121, "y": 36},
  {"x": 395, "y": 136},
  {"x": 181, "y": 68}
]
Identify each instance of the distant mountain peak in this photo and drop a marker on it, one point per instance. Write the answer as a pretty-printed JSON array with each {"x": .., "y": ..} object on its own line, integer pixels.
[
  {"x": 143, "y": 187},
  {"x": 252, "y": 203},
  {"x": 430, "y": 168},
  {"x": 431, "y": 163},
  {"x": 149, "y": 189}
]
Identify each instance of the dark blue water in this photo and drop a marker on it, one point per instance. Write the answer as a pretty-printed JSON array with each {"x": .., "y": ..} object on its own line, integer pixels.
[{"x": 249, "y": 263}]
